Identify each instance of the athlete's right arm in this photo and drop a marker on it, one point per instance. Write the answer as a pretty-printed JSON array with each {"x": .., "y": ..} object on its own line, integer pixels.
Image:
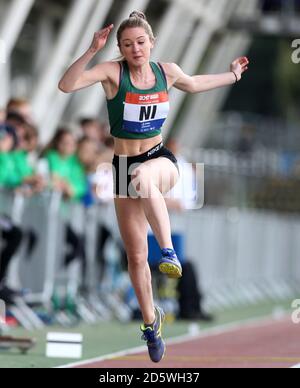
[{"x": 77, "y": 77}]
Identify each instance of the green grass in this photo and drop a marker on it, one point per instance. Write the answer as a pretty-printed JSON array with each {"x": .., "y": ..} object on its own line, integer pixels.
[{"x": 110, "y": 337}]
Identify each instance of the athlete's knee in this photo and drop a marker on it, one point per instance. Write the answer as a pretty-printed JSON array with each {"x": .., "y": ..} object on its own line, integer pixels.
[
  {"x": 137, "y": 258},
  {"x": 142, "y": 181},
  {"x": 142, "y": 173}
]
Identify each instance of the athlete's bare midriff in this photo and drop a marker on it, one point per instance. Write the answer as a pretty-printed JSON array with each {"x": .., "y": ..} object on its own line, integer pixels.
[{"x": 135, "y": 147}]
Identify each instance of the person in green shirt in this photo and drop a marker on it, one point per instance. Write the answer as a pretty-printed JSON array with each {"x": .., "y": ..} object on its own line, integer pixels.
[
  {"x": 9, "y": 177},
  {"x": 68, "y": 175},
  {"x": 15, "y": 169},
  {"x": 26, "y": 162}
]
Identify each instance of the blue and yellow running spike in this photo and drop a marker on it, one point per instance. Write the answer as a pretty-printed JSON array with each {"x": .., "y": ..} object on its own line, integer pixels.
[
  {"x": 152, "y": 334},
  {"x": 169, "y": 264}
]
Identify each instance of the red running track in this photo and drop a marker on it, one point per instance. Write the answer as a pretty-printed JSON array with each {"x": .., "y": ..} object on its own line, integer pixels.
[{"x": 272, "y": 344}]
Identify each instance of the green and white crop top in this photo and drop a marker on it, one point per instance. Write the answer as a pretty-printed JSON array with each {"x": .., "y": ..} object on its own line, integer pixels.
[{"x": 139, "y": 113}]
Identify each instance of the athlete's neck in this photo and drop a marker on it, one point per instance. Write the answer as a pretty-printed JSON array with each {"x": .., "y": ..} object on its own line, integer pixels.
[{"x": 141, "y": 74}]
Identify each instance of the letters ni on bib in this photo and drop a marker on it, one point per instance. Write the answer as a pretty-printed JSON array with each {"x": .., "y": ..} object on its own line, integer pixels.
[{"x": 145, "y": 112}]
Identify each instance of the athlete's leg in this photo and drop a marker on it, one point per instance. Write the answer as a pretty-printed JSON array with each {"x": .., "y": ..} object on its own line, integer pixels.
[
  {"x": 134, "y": 229},
  {"x": 153, "y": 179}
]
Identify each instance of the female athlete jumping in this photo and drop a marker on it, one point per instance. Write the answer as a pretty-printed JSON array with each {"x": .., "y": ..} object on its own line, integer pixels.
[{"x": 144, "y": 170}]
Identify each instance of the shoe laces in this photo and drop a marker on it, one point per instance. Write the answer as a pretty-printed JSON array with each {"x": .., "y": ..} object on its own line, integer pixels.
[
  {"x": 149, "y": 335},
  {"x": 169, "y": 253}
]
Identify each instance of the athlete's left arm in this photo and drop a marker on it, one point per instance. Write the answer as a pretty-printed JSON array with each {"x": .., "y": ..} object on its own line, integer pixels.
[{"x": 202, "y": 83}]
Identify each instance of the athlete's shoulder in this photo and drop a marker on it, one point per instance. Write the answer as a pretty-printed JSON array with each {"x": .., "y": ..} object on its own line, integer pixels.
[
  {"x": 107, "y": 71},
  {"x": 169, "y": 65},
  {"x": 108, "y": 66},
  {"x": 171, "y": 69},
  {"x": 173, "y": 72}
]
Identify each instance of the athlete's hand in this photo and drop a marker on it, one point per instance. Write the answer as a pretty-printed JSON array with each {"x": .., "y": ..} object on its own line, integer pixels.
[
  {"x": 239, "y": 66},
  {"x": 100, "y": 39}
]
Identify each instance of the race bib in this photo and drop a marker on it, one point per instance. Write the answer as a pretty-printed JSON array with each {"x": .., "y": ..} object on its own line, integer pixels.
[{"x": 145, "y": 112}]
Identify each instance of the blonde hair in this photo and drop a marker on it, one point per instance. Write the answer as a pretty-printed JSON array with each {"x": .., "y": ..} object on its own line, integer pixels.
[
  {"x": 16, "y": 103},
  {"x": 136, "y": 19}
]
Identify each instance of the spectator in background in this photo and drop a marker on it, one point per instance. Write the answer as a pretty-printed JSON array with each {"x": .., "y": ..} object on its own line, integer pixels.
[
  {"x": 19, "y": 115},
  {"x": 68, "y": 175},
  {"x": 22, "y": 107},
  {"x": 26, "y": 162},
  {"x": 69, "y": 178},
  {"x": 88, "y": 154},
  {"x": 19, "y": 123},
  {"x": 16, "y": 172},
  {"x": 109, "y": 150},
  {"x": 98, "y": 168},
  {"x": 31, "y": 139},
  {"x": 94, "y": 130},
  {"x": 8, "y": 141},
  {"x": 10, "y": 234}
]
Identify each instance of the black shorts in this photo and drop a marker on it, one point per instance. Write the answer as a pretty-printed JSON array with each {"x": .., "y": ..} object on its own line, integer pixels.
[{"x": 124, "y": 166}]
